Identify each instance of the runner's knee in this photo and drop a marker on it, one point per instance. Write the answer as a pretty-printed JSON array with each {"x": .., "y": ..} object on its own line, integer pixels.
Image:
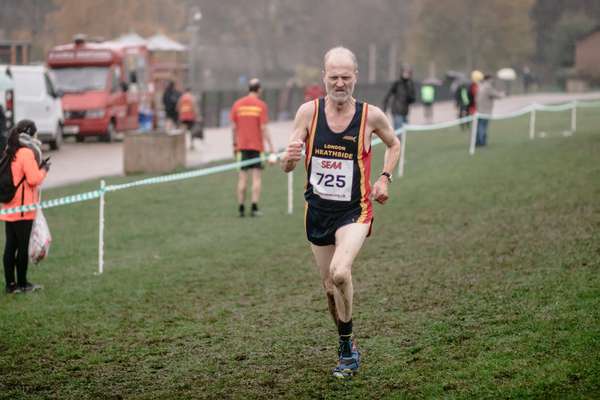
[{"x": 340, "y": 275}]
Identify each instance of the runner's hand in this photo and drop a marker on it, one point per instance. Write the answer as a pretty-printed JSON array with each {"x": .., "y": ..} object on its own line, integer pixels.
[
  {"x": 380, "y": 190},
  {"x": 294, "y": 151}
]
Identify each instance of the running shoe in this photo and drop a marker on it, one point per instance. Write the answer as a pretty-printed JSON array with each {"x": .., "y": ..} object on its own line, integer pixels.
[
  {"x": 12, "y": 288},
  {"x": 256, "y": 213},
  {"x": 349, "y": 360},
  {"x": 30, "y": 287}
]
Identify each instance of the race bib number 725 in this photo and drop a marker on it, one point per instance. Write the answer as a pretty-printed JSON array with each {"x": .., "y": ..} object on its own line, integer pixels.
[{"x": 331, "y": 178}]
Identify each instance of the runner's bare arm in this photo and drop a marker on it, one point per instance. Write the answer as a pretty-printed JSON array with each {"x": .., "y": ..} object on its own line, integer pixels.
[
  {"x": 380, "y": 126},
  {"x": 293, "y": 152},
  {"x": 233, "y": 140}
]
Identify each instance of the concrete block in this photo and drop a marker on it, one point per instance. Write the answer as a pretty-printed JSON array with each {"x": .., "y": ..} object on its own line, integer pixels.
[{"x": 153, "y": 152}]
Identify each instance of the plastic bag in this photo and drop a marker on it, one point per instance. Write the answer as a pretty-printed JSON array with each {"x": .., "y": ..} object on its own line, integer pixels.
[{"x": 40, "y": 238}]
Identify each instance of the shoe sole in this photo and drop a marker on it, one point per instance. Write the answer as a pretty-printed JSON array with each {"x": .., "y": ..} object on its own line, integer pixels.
[
  {"x": 37, "y": 289},
  {"x": 344, "y": 374}
]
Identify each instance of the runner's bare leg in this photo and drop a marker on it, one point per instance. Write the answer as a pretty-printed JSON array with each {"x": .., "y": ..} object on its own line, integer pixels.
[
  {"x": 323, "y": 256},
  {"x": 256, "y": 184},
  {"x": 241, "y": 188},
  {"x": 349, "y": 240}
]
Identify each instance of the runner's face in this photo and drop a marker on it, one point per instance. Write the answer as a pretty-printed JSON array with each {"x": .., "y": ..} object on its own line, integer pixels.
[{"x": 340, "y": 78}]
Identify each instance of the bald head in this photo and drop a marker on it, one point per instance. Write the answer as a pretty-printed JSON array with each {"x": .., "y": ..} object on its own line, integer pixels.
[
  {"x": 340, "y": 55},
  {"x": 340, "y": 74},
  {"x": 254, "y": 85}
]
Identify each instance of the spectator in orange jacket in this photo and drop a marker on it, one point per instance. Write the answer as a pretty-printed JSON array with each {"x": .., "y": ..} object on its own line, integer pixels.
[
  {"x": 187, "y": 109},
  {"x": 28, "y": 172}
]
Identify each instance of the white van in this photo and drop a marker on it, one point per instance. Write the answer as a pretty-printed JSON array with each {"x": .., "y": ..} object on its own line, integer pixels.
[{"x": 35, "y": 98}]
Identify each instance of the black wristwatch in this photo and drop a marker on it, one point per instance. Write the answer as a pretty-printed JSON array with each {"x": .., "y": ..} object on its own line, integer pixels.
[{"x": 387, "y": 175}]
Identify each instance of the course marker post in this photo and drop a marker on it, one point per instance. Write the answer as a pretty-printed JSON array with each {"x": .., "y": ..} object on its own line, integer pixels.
[
  {"x": 574, "y": 117},
  {"x": 403, "y": 141},
  {"x": 290, "y": 209},
  {"x": 101, "y": 229},
  {"x": 473, "y": 134},
  {"x": 532, "y": 124}
]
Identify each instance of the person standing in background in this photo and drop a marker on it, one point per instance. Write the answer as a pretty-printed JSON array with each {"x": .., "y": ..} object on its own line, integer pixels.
[
  {"x": 485, "y": 103},
  {"x": 187, "y": 111},
  {"x": 399, "y": 98},
  {"x": 249, "y": 116},
  {"x": 461, "y": 100},
  {"x": 28, "y": 172},
  {"x": 527, "y": 78},
  {"x": 428, "y": 98},
  {"x": 169, "y": 99},
  {"x": 476, "y": 77}
]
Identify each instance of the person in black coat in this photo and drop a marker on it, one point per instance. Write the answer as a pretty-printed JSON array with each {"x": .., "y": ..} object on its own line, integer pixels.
[
  {"x": 462, "y": 101},
  {"x": 399, "y": 98},
  {"x": 170, "y": 98}
]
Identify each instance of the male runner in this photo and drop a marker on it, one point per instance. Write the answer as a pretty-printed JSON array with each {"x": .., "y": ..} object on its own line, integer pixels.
[
  {"x": 249, "y": 116},
  {"x": 336, "y": 131}
]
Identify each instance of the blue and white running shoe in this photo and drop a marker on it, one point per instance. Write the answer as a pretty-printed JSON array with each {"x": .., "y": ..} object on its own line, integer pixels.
[{"x": 349, "y": 361}]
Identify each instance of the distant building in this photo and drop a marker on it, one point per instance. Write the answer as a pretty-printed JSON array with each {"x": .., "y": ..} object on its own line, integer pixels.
[
  {"x": 15, "y": 52},
  {"x": 587, "y": 62},
  {"x": 168, "y": 59}
]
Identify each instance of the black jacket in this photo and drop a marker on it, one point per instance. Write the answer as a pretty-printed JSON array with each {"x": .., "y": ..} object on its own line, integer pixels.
[
  {"x": 402, "y": 95},
  {"x": 170, "y": 99}
]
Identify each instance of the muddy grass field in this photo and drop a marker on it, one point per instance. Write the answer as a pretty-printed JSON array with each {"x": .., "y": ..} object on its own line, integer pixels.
[{"x": 481, "y": 280}]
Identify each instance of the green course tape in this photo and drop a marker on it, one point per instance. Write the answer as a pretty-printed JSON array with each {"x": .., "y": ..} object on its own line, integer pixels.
[{"x": 76, "y": 198}]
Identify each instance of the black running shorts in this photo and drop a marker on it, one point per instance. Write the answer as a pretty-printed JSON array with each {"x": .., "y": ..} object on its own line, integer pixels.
[
  {"x": 321, "y": 226},
  {"x": 243, "y": 155}
]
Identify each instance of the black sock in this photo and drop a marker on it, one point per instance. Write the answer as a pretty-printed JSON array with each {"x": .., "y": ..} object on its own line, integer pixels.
[
  {"x": 345, "y": 330},
  {"x": 241, "y": 208},
  {"x": 254, "y": 207}
]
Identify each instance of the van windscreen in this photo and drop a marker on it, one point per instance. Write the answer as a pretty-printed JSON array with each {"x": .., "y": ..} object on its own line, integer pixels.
[{"x": 80, "y": 79}]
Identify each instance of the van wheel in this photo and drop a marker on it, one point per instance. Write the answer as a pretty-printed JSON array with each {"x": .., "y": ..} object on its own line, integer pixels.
[
  {"x": 58, "y": 138},
  {"x": 111, "y": 133}
]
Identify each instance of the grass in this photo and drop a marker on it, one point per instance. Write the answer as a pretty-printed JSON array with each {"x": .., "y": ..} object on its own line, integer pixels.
[{"x": 481, "y": 281}]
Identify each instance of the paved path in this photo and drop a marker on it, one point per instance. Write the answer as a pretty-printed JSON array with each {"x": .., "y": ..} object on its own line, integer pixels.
[{"x": 77, "y": 162}]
